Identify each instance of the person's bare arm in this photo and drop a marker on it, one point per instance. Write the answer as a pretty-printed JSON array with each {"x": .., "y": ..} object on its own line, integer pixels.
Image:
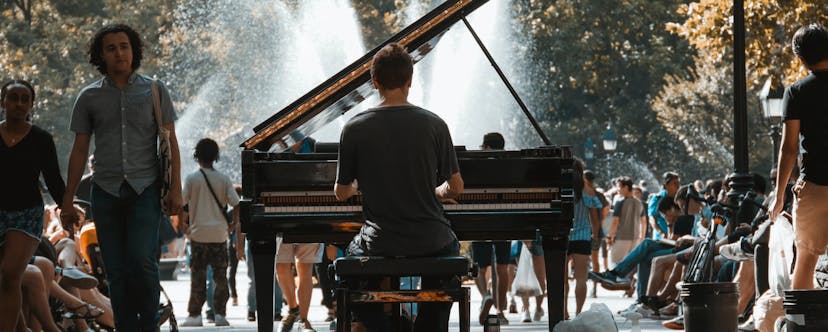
[
  {"x": 787, "y": 158},
  {"x": 613, "y": 229},
  {"x": 240, "y": 254},
  {"x": 184, "y": 221},
  {"x": 451, "y": 188},
  {"x": 654, "y": 225},
  {"x": 343, "y": 192},
  {"x": 77, "y": 160},
  {"x": 232, "y": 226},
  {"x": 175, "y": 201},
  {"x": 595, "y": 222},
  {"x": 643, "y": 232}
]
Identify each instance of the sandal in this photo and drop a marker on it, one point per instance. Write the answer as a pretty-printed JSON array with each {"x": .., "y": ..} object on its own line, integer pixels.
[{"x": 83, "y": 311}]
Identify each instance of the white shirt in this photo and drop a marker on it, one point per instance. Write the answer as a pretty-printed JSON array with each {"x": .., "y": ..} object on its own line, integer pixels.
[{"x": 207, "y": 221}]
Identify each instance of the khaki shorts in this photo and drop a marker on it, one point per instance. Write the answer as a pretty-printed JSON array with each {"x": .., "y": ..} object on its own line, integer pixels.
[
  {"x": 299, "y": 253},
  {"x": 810, "y": 213},
  {"x": 619, "y": 250}
]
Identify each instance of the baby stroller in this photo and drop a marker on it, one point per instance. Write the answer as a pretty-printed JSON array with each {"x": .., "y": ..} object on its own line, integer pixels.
[{"x": 91, "y": 252}]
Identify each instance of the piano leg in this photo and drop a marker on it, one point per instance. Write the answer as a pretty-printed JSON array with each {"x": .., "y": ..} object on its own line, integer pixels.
[
  {"x": 264, "y": 256},
  {"x": 554, "y": 256}
]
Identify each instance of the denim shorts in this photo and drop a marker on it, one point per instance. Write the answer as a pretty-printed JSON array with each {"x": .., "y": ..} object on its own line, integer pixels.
[{"x": 27, "y": 221}]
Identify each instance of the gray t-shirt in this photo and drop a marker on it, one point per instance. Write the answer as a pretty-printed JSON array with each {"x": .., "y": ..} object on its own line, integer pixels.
[
  {"x": 122, "y": 123},
  {"x": 628, "y": 211},
  {"x": 399, "y": 155}
]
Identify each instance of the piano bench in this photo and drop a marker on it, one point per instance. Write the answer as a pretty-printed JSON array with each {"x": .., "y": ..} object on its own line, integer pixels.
[
  {"x": 352, "y": 270},
  {"x": 372, "y": 266}
]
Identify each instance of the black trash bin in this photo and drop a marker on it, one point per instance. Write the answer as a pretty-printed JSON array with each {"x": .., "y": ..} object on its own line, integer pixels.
[
  {"x": 806, "y": 310},
  {"x": 710, "y": 306}
]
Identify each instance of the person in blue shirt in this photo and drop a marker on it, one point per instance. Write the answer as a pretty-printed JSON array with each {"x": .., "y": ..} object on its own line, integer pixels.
[
  {"x": 657, "y": 222},
  {"x": 584, "y": 232}
]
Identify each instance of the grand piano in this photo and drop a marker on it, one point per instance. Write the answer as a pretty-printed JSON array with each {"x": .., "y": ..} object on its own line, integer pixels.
[{"x": 510, "y": 195}]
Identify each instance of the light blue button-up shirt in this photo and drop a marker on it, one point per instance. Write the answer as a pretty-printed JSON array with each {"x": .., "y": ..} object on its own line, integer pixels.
[{"x": 122, "y": 122}]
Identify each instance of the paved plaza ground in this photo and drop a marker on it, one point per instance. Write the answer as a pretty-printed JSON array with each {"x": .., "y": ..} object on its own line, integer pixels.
[{"x": 179, "y": 293}]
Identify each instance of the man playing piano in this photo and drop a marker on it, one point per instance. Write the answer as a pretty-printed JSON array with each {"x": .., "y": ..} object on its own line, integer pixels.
[{"x": 403, "y": 159}]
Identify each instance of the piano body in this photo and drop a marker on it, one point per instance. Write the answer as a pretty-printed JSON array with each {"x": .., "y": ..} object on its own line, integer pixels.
[{"x": 509, "y": 195}]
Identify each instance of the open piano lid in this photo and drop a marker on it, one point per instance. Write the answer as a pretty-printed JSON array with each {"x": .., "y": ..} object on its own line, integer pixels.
[{"x": 352, "y": 85}]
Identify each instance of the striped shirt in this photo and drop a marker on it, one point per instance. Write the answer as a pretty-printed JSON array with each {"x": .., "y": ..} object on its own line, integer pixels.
[{"x": 581, "y": 227}]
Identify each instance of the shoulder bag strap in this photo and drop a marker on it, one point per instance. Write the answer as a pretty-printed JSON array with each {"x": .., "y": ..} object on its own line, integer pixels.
[
  {"x": 222, "y": 209},
  {"x": 156, "y": 104}
]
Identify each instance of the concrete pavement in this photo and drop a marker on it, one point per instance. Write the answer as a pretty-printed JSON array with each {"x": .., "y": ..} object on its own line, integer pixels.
[{"x": 179, "y": 289}]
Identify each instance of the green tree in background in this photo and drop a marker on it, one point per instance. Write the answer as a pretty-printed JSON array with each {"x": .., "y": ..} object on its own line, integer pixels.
[
  {"x": 45, "y": 42},
  {"x": 698, "y": 109},
  {"x": 658, "y": 71},
  {"x": 602, "y": 62}
]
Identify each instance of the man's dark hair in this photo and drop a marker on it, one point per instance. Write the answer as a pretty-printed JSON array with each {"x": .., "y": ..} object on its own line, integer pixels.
[
  {"x": 206, "y": 151},
  {"x": 6, "y": 86},
  {"x": 626, "y": 181},
  {"x": 392, "y": 66},
  {"x": 578, "y": 175},
  {"x": 682, "y": 192},
  {"x": 760, "y": 185},
  {"x": 96, "y": 46},
  {"x": 494, "y": 141},
  {"x": 589, "y": 175},
  {"x": 810, "y": 43},
  {"x": 714, "y": 187},
  {"x": 669, "y": 176},
  {"x": 666, "y": 204}
]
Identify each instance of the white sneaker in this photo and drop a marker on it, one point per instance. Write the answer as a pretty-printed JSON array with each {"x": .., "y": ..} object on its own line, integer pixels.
[
  {"x": 221, "y": 320},
  {"x": 525, "y": 316},
  {"x": 538, "y": 314},
  {"x": 192, "y": 321},
  {"x": 641, "y": 309}
]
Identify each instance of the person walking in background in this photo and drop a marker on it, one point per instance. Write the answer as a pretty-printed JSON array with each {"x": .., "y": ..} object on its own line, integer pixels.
[
  {"x": 584, "y": 232},
  {"x": 208, "y": 192},
  {"x": 806, "y": 117},
  {"x": 482, "y": 255},
  {"x": 234, "y": 260},
  {"x": 126, "y": 191},
  {"x": 628, "y": 224},
  {"x": 304, "y": 256},
  {"x": 27, "y": 152},
  {"x": 242, "y": 252}
]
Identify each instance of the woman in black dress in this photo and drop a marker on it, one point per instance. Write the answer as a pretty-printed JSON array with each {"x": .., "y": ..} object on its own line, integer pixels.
[{"x": 26, "y": 152}]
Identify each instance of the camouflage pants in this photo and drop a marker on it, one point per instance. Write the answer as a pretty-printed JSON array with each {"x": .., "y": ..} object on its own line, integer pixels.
[{"x": 201, "y": 255}]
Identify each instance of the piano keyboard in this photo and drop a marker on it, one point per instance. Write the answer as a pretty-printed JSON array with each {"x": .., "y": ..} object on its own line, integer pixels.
[
  {"x": 489, "y": 199},
  {"x": 447, "y": 207}
]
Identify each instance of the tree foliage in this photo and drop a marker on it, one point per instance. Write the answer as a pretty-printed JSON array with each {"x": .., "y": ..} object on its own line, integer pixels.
[
  {"x": 45, "y": 42},
  {"x": 601, "y": 62},
  {"x": 769, "y": 26},
  {"x": 698, "y": 109},
  {"x": 658, "y": 71}
]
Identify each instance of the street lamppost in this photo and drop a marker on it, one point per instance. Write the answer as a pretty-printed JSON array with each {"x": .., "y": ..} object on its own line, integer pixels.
[
  {"x": 589, "y": 151},
  {"x": 610, "y": 140},
  {"x": 741, "y": 181},
  {"x": 771, "y": 101}
]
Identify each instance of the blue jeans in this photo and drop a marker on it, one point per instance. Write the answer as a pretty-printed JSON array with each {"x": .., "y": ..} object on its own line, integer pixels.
[
  {"x": 127, "y": 229},
  {"x": 642, "y": 257},
  {"x": 251, "y": 291},
  {"x": 432, "y": 317}
]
